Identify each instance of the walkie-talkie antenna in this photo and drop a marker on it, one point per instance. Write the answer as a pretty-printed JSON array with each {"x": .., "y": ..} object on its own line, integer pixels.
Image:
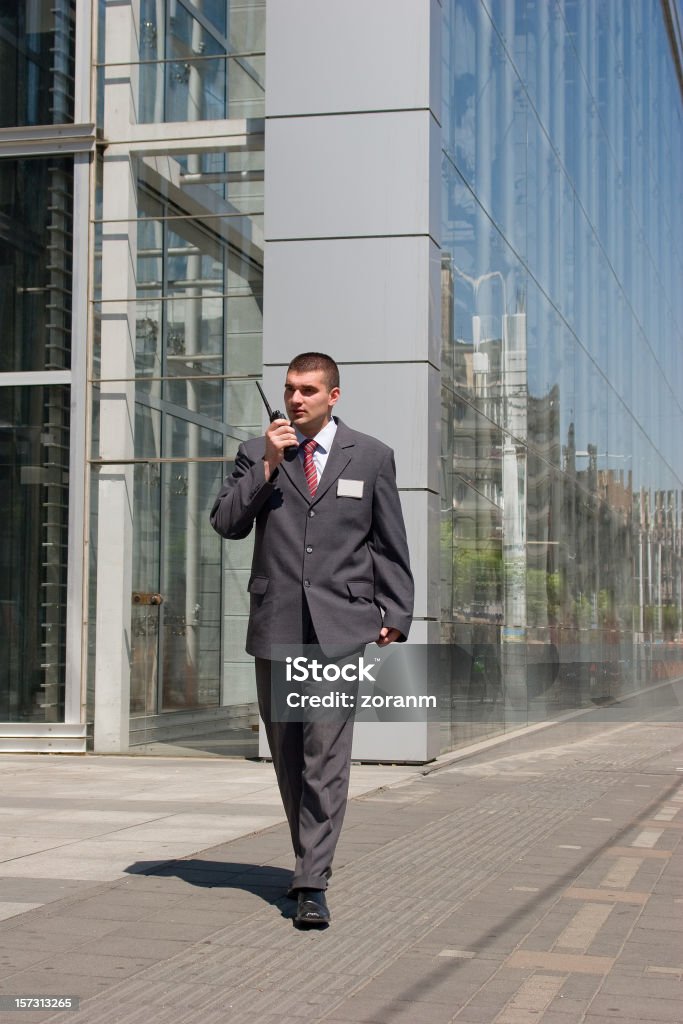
[
  {"x": 291, "y": 452},
  {"x": 265, "y": 401}
]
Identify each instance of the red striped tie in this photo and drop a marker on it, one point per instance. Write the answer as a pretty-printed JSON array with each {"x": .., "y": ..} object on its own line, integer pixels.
[{"x": 309, "y": 446}]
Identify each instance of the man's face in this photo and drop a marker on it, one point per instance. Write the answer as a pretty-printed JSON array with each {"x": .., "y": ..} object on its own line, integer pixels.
[{"x": 309, "y": 401}]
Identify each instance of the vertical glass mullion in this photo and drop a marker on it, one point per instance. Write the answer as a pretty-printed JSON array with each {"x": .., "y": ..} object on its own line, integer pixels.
[{"x": 165, "y": 468}]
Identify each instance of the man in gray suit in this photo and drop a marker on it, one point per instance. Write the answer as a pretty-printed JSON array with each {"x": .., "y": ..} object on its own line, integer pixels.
[{"x": 330, "y": 567}]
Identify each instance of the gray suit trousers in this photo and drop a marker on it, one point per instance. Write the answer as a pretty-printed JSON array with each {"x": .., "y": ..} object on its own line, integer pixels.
[{"x": 312, "y": 761}]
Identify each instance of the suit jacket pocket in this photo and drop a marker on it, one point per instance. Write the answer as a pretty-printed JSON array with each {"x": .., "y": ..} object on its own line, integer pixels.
[
  {"x": 258, "y": 585},
  {"x": 361, "y": 588}
]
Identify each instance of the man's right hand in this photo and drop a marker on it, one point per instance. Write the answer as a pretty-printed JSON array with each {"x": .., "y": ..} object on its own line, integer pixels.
[{"x": 279, "y": 436}]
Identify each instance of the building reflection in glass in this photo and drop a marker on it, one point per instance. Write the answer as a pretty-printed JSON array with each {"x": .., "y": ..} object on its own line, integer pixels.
[
  {"x": 562, "y": 474},
  {"x": 191, "y": 298}
]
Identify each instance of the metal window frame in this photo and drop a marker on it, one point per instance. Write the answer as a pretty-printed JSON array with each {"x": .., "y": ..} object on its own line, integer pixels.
[
  {"x": 27, "y": 378},
  {"x": 47, "y": 140},
  {"x": 81, "y": 317}
]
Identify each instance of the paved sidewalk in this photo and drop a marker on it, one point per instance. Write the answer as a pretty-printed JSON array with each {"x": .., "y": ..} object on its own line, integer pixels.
[
  {"x": 539, "y": 880},
  {"x": 67, "y": 820}
]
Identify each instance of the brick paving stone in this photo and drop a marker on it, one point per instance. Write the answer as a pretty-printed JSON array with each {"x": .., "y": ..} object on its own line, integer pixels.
[
  {"x": 424, "y": 987},
  {"x": 661, "y": 905},
  {"x": 570, "y": 963},
  {"x": 670, "y": 886},
  {"x": 666, "y": 972},
  {"x": 182, "y": 998},
  {"x": 500, "y": 988},
  {"x": 609, "y": 946},
  {"x": 638, "y": 1008},
  {"x": 638, "y": 852},
  {"x": 606, "y": 895},
  {"x": 557, "y": 1016},
  {"x": 580, "y": 986},
  {"x": 672, "y": 924},
  {"x": 662, "y": 954},
  {"x": 657, "y": 988},
  {"x": 594, "y": 1018},
  {"x": 481, "y": 1015},
  {"x": 381, "y": 1011},
  {"x": 563, "y": 1006}
]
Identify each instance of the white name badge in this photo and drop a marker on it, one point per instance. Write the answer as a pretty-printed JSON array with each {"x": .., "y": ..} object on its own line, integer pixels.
[{"x": 349, "y": 488}]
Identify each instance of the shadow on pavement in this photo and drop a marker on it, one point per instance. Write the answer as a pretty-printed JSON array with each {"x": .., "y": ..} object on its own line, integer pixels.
[{"x": 265, "y": 881}]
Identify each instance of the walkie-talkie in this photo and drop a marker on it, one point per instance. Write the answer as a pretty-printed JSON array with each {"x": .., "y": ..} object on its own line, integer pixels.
[{"x": 290, "y": 453}]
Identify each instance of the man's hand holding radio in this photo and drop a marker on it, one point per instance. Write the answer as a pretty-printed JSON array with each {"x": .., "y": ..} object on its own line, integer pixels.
[{"x": 280, "y": 435}]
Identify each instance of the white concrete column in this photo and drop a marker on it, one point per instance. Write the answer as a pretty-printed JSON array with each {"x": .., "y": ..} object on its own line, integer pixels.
[
  {"x": 352, "y": 228},
  {"x": 117, "y": 397}
]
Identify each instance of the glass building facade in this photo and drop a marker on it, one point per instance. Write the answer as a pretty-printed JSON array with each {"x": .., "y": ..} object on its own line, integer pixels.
[
  {"x": 36, "y": 234},
  {"x": 147, "y": 166},
  {"x": 563, "y": 343},
  {"x": 178, "y": 248}
]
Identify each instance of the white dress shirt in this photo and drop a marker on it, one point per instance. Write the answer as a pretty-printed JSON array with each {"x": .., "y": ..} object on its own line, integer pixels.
[{"x": 323, "y": 441}]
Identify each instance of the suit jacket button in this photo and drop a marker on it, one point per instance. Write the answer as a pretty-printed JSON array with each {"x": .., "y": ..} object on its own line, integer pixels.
[
  {"x": 307, "y": 583},
  {"x": 311, "y": 513},
  {"x": 309, "y": 549}
]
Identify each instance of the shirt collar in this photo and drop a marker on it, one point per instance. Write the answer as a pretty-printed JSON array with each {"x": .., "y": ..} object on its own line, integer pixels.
[{"x": 324, "y": 439}]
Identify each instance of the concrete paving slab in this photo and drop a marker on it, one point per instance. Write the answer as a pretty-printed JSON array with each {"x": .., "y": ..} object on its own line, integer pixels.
[
  {"x": 12, "y": 909},
  {"x": 65, "y": 793},
  {"x": 96, "y": 869},
  {"x": 51, "y": 921},
  {"x": 14, "y": 960},
  {"x": 41, "y": 980},
  {"x": 19, "y": 847}
]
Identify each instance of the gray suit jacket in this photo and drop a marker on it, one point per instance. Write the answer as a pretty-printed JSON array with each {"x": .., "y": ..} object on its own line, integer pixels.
[{"x": 349, "y": 555}]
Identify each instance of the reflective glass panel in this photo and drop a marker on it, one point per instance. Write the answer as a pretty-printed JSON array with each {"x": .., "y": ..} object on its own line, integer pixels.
[
  {"x": 563, "y": 343},
  {"x": 177, "y": 343},
  {"x": 36, "y": 62},
  {"x": 34, "y": 489},
  {"x": 35, "y": 255},
  {"x": 193, "y": 62}
]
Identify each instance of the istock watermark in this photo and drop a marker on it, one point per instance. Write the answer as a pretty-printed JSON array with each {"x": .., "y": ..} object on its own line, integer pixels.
[
  {"x": 303, "y": 670},
  {"x": 309, "y": 683},
  {"x": 362, "y": 701},
  {"x": 494, "y": 685}
]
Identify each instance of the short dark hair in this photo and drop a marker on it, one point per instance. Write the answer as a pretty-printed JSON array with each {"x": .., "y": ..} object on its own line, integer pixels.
[{"x": 308, "y": 362}]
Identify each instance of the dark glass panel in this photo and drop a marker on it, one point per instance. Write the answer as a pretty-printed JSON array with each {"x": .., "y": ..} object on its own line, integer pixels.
[
  {"x": 35, "y": 263},
  {"x": 36, "y": 62},
  {"x": 34, "y": 459}
]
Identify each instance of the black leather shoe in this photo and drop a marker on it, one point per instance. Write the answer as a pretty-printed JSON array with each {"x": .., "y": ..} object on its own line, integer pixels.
[{"x": 312, "y": 909}]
